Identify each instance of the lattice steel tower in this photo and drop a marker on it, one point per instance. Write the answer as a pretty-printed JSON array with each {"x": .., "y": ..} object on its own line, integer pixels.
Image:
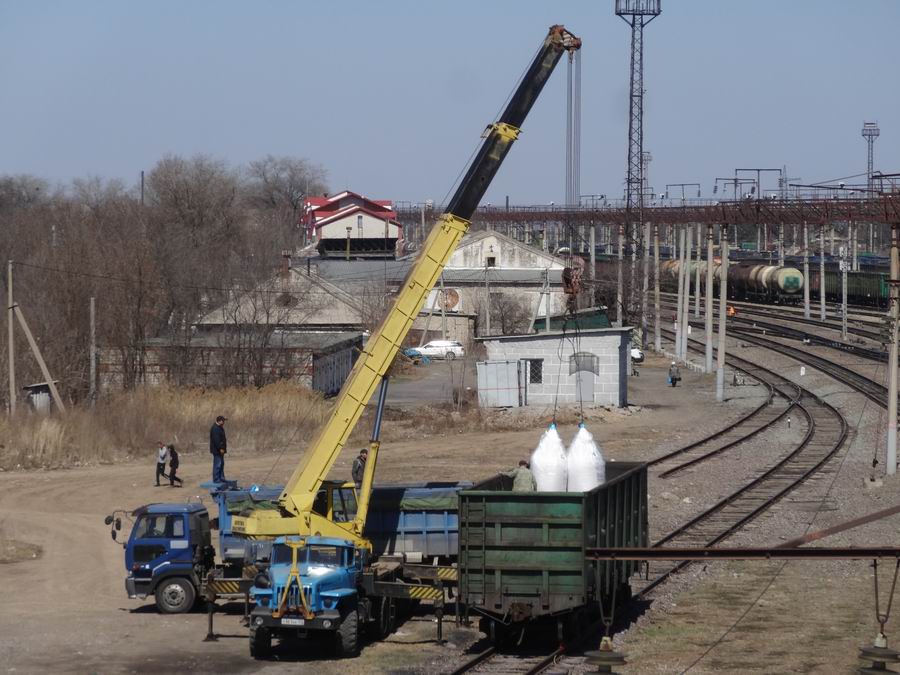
[
  {"x": 870, "y": 132},
  {"x": 637, "y": 14}
]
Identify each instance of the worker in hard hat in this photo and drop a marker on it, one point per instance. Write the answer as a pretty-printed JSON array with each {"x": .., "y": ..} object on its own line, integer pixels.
[
  {"x": 523, "y": 479},
  {"x": 674, "y": 374}
]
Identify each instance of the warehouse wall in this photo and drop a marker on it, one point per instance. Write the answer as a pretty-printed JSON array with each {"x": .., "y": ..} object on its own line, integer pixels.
[{"x": 608, "y": 347}]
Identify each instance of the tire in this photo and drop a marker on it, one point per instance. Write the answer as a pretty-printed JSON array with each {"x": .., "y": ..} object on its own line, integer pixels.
[
  {"x": 175, "y": 595},
  {"x": 450, "y": 356},
  {"x": 260, "y": 643},
  {"x": 385, "y": 621},
  {"x": 346, "y": 637}
]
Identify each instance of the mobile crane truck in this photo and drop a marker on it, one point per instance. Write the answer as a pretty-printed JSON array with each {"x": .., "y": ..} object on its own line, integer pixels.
[{"x": 323, "y": 577}]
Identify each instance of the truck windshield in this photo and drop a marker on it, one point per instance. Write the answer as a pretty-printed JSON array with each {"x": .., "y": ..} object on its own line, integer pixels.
[
  {"x": 159, "y": 526},
  {"x": 315, "y": 554}
]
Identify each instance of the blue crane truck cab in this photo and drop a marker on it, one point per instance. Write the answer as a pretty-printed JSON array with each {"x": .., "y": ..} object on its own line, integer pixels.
[
  {"x": 169, "y": 554},
  {"x": 310, "y": 588}
]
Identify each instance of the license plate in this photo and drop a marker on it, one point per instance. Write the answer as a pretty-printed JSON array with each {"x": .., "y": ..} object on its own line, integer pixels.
[{"x": 293, "y": 622}]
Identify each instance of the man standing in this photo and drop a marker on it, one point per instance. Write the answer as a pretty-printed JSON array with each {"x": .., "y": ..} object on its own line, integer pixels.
[
  {"x": 674, "y": 374},
  {"x": 161, "y": 458},
  {"x": 523, "y": 479},
  {"x": 359, "y": 467},
  {"x": 217, "y": 448}
]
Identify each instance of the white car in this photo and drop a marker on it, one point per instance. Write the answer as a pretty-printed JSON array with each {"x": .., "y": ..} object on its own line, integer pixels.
[{"x": 442, "y": 349}]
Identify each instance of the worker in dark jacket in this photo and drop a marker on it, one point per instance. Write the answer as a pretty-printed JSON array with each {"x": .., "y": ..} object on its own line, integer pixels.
[
  {"x": 217, "y": 448},
  {"x": 359, "y": 467},
  {"x": 173, "y": 467}
]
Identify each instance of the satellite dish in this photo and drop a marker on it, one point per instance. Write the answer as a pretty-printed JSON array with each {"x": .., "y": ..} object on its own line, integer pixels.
[{"x": 451, "y": 300}]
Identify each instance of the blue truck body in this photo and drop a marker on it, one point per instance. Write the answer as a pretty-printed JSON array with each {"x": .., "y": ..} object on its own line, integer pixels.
[
  {"x": 417, "y": 520},
  {"x": 169, "y": 553}
]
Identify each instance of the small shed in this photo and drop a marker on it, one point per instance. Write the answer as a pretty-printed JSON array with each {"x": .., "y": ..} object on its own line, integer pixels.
[
  {"x": 38, "y": 396},
  {"x": 588, "y": 366}
]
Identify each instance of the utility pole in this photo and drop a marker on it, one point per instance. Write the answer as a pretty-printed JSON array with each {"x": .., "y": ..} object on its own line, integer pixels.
[
  {"x": 843, "y": 252},
  {"x": 11, "y": 337},
  {"x": 39, "y": 358},
  {"x": 592, "y": 275},
  {"x": 723, "y": 310},
  {"x": 892, "y": 358},
  {"x": 698, "y": 258},
  {"x": 805, "y": 270},
  {"x": 680, "y": 237},
  {"x": 620, "y": 262},
  {"x": 686, "y": 305},
  {"x": 781, "y": 243},
  {"x": 487, "y": 300},
  {"x": 645, "y": 305},
  {"x": 822, "y": 272},
  {"x": 709, "y": 298},
  {"x": 93, "y": 378},
  {"x": 657, "y": 337},
  {"x": 443, "y": 310}
]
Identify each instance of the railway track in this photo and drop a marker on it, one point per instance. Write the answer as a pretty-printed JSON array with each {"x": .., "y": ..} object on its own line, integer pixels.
[
  {"x": 825, "y": 435},
  {"x": 872, "y": 390},
  {"x": 826, "y": 432},
  {"x": 732, "y": 436}
]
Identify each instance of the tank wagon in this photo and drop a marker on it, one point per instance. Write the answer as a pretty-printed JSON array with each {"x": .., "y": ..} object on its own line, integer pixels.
[
  {"x": 522, "y": 554},
  {"x": 746, "y": 281},
  {"x": 771, "y": 283}
]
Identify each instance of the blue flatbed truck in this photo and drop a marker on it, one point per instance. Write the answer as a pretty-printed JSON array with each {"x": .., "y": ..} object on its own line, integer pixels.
[{"x": 170, "y": 555}]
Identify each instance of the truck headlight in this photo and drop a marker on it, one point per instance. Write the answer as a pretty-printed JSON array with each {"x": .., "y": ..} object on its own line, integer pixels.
[
  {"x": 327, "y": 623},
  {"x": 258, "y": 621}
]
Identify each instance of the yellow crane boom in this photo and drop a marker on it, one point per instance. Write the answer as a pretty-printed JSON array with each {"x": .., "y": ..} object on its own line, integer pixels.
[{"x": 296, "y": 514}]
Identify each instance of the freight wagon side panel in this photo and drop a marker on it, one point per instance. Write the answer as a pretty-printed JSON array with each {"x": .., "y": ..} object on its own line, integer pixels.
[{"x": 522, "y": 554}]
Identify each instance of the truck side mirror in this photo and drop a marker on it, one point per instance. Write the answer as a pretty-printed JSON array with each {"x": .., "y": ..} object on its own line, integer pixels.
[{"x": 108, "y": 520}]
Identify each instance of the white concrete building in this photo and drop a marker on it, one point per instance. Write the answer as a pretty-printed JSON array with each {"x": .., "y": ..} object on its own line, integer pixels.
[{"x": 594, "y": 367}]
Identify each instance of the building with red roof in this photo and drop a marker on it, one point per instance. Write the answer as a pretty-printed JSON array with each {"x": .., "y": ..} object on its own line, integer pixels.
[{"x": 350, "y": 225}]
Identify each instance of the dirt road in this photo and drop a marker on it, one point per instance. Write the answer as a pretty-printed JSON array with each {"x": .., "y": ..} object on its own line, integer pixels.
[{"x": 66, "y": 610}]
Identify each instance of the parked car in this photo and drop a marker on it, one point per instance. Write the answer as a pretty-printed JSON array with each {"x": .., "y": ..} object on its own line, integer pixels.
[
  {"x": 446, "y": 349},
  {"x": 637, "y": 355}
]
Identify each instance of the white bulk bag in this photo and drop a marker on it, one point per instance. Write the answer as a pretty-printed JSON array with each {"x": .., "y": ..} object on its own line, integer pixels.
[
  {"x": 548, "y": 462},
  {"x": 584, "y": 462}
]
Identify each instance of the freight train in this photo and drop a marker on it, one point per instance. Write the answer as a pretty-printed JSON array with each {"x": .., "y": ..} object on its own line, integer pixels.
[
  {"x": 767, "y": 283},
  {"x": 781, "y": 284}
]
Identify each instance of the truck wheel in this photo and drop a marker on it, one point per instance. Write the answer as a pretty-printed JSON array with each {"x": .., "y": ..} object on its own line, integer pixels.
[
  {"x": 346, "y": 637},
  {"x": 385, "y": 621},
  {"x": 175, "y": 596},
  {"x": 260, "y": 643}
]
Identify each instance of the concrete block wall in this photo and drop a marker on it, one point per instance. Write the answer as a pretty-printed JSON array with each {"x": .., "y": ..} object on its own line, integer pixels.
[{"x": 610, "y": 347}]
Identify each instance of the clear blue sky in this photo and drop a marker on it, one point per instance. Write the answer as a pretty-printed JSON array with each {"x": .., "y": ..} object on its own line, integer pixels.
[{"x": 391, "y": 96}]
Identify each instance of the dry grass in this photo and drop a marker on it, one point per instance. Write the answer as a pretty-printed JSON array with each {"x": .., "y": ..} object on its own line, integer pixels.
[
  {"x": 131, "y": 423},
  {"x": 269, "y": 419}
]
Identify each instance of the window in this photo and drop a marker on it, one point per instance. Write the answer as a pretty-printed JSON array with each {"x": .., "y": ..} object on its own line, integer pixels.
[
  {"x": 535, "y": 371},
  {"x": 160, "y": 526},
  {"x": 584, "y": 361},
  {"x": 492, "y": 261}
]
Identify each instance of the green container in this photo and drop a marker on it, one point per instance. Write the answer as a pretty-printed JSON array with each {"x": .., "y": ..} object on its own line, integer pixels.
[{"x": 522, "y": 554}]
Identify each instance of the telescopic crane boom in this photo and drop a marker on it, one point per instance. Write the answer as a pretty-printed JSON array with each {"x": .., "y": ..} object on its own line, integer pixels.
[{"x": 296, "y": 514}]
